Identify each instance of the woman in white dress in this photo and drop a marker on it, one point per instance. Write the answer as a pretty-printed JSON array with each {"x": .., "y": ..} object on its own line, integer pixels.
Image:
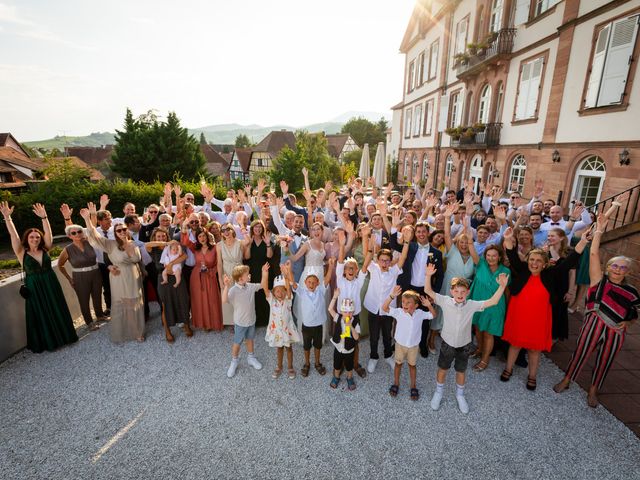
[
  {"x": 314, "y": 253},
  {"x": 229, "y": 252}
]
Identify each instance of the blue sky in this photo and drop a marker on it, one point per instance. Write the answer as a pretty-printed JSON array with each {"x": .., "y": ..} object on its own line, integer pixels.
[{"x": 73, "y": 67}]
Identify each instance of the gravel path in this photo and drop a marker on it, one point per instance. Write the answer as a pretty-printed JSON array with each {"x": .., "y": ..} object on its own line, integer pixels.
[{"x": 103, "y": 411}]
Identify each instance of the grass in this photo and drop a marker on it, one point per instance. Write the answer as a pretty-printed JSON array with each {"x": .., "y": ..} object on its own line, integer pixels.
[{"x": 14, "y": 263}]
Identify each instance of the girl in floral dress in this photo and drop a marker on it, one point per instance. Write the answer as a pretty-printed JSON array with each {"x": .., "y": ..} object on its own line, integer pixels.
[{"x": 281, "y": 331}]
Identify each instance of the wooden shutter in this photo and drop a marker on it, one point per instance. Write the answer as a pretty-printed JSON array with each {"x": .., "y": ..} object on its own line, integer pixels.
[
  {"x": 534, "y": 88},
  {"x": 522, "y": 12},
  {"x": 597, "y": 66},
  {"x": 523, "y": 91},
  {"x": 444, "y": 113},
  {"x": 616, "y": 67}
]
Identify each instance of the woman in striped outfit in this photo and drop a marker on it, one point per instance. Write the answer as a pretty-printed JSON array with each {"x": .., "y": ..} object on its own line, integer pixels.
[{"x": 611, "y": 307}]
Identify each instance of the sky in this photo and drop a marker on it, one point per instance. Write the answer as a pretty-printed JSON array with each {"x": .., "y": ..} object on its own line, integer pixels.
[{"x": 72, "y": 67}]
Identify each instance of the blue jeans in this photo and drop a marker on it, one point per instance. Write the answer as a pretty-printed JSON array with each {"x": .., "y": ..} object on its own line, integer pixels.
[{"x": 243, "y": 333}]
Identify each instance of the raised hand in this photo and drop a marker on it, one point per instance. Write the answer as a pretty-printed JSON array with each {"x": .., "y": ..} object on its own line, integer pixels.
[
  {"x": 396, "y": 217},
  {"x": 500, "y": 212},
  {"x": 265, "y": 268},
  {"x": 227, "y": 281},
  {"x": 39, "y": 210},
  {"x": 503, "y": 279},
  {"x": 178, "y": 191},
  {"x": 425, "y": 301},
  {"x": 431, "y": 270},
  {"x": 104, "y": 201},
  {"x": 262, "y": 183},
  {"x": 6, "y": 210},
  {"x": 539, "y": 188},
  {"x": 284, "y": 186},
  {"x": 84, "y": 213},
  {"x": 66, "y": 211},
  {"x": 601, "y": 222},
  {"x": 397, "y": 290},
  {"x": 305, "y": 172},
  {"x": 508, "y": 234},
  {"x": 92, "y": 208},
  {"x": 167, "y": 188}
]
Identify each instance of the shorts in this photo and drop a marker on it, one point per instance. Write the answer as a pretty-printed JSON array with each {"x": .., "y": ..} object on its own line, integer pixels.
[
  {"x": 243, "y": 333},
  {"x": 342, "y": 359},
  {"x": 449, "y": 353},
  {"x": 410, "y": 354},
  {"x": 312, "y": 335}
]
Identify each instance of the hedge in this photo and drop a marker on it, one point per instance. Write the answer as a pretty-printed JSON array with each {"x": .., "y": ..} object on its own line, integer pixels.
[{"x": 54, "y": 193}]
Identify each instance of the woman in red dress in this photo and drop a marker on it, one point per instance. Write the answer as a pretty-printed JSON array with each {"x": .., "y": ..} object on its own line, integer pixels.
[
  {"x": 206, "y": 307},
  {"x": 533, "y": 290}
]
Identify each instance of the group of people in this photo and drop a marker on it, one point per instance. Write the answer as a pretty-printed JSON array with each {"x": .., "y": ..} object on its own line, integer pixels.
[{"x": 424, "y": 271}]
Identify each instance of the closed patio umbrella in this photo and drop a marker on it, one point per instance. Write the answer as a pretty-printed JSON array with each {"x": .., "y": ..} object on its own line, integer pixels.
[
  {"x": 365, "y": 170},
  {"x": 380, "y": 166}
]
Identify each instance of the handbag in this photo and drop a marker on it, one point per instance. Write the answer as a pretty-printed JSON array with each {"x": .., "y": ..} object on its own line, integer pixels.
[{"x": 24, "y": 290}]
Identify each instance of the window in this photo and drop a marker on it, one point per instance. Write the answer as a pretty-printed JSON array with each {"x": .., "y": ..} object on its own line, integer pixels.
[
  {"x": 417, "y": 120},
  {"x": 455, "y": 103},
  {"x": 425, "y": 166},
  {"x": 497, "y": 6},
  {"x": 428, "y": 117},
  {"x": 412, "y": 76},
  {"x": 475, "y": 172},
  {"x": 528, "y": 89},
  {"x": 259, "y": 162},
  {"x": 484, "y": 105},
  {"x": 521, "y": 14},
  {"x": 448, "y": 168},
  {"x": 407, "y": 123},
  {"x": 518, "y": 171},
  {"x": 610, "y": 65},
  {"x": 499, "y": 101},
  {"x": 420, "y": 73},
  {"x": 433, "y": 60},
  {"x": 589, "y": 179},
  {"x": 414, "y": 166},
  {"x": 461, "y": 36},
  {"x": 541, "y": 6},
  {"x": 405, "y": 165},
  {"x": 3, "y": 178}
]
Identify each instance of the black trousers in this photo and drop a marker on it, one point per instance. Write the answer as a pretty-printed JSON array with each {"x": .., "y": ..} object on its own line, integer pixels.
[
  {"x": 342, "y": 360},
  {"x": 377, "y": 324},
  {"x": 106, "y": 286}
]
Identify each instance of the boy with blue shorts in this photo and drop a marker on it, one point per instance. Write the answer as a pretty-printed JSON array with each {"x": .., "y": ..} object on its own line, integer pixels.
[{"x": 242, "y": 297}]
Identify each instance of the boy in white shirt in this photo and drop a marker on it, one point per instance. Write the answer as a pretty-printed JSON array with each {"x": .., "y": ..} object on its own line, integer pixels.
[
  {"x": 456, "y": 345},
  {"x": 408, "y": 330}
]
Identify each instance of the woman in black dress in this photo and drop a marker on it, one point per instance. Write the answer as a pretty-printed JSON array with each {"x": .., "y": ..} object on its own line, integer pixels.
[{"x": 256, "y": 253}]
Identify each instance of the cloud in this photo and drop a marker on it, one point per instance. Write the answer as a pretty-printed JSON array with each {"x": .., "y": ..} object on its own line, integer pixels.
[{"x": 9, "y": 14}]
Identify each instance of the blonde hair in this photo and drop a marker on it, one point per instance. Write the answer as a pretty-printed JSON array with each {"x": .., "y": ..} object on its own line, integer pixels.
[
  {"x": 617, "y": 259},
  {"x": 459, "y": 282},
  {"x": 239, "y": 271},
  {"x": 541, "y": 252},
  {"x": 413, "y": 295}
]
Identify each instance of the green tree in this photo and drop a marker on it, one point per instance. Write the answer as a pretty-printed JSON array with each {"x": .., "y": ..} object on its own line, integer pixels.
[
  {"x": 148, "y": 149},
  {"x": 242, "y": 141},
  {"x": 203, "y": 139},
  {"x": 65, "y": 171},
  {"x": 363, "y": 131}
]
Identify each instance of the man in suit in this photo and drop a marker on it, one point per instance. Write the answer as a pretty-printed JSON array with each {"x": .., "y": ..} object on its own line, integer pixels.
[{"x": 421, "y": 253}]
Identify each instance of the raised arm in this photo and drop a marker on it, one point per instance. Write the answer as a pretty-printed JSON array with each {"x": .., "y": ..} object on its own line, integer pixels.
[
  {"x": 332, "y": 304},
  {"x": 40, "y": 211},
  {"x": 469, "y": 234},
  {"x": 430, "y": 272},
  {"x": 367, "y": 248},
  {"x": 303, "y": 249},
  {"x": 595, "y": 265},
  {"x": 397, "y": 290},
  {"x": 406, "y": 232},
  {"x": 330, "y": 267},
  {"x": 264, "y": 280},
  {"x": 225, "y": 291},
  {"x": 448, "y": 212},
  {"x": 502, "y": 280},
  {"x": 15, "y": 238}
]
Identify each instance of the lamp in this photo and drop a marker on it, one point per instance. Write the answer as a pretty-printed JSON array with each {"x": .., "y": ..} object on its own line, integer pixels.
[
  {"x": 555, "y": 156},
  {"x": 624, "y": 157},
  {"x": 495, "y": 173}
]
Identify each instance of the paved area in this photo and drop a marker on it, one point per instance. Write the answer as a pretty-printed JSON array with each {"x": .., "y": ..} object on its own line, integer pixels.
[
  {"x": 621, "y": 391},
  {"x": 153, "y": 410}
]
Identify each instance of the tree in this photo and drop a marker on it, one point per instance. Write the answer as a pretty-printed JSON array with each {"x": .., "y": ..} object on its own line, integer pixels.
[
  {"x": 148, "y": 149},
  {"x": 363, "y": 131},
  {"x": 203, "y": 139},
  {"x": 311, "y": 152},
  {"x": 65, "y": 171},
  {"x": 242, "y": 141}
]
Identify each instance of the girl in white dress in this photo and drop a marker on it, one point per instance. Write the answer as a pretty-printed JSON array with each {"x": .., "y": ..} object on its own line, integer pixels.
[
  {"x": 313, "y": 251},
  {"x": 281, "y": 331}
]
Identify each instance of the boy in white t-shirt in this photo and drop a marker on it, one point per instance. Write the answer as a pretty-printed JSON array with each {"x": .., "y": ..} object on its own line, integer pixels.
[
  {"x": 408, "y": 330},
  {"x": 456, "y": 345}
]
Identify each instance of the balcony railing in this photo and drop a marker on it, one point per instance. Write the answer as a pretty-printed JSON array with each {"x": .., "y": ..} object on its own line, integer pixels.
[
  {"x": 499, "y": 48},
  {"x": 488, "y": 138}
]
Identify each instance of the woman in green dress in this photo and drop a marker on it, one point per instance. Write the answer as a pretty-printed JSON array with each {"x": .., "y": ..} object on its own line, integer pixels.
[
  {"x": 490, "y": 322},
  {"x": 48, "y": 321}
]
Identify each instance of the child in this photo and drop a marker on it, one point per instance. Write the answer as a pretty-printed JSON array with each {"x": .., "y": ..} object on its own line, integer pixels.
[
  {"x": 242, "y": 297},
  {"x": 346, "y": 331},
  {"x": 457, "y": 314},
  {"x": 171, "y": 252},
  {"x": 408, "y": 330},
  {"x": 310, "y": 307},
  {"x": 281, "y": 332}
]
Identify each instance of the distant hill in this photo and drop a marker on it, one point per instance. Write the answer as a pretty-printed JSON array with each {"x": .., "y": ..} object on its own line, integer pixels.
[{"x": 216, "y": 134}]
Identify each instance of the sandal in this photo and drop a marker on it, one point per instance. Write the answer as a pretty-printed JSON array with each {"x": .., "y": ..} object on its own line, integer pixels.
[
  {"x": 351, "y": 384},
  {"x": 476, "y": 353},
  {"x": 276, "y": 373},
  {"x": 335, "y": 381},
  {"x": 531, "y": 384},
  {"x": 559, "y": 387},
  {"x": 305, "y": 370},
  {"x": 320, "y": 368},
  {"x": 592, "y": 400},
  {"x": 480, "y": 366},
  {"x": 393, "y": 390},
  {"x": 505, "y": 376},
  {"x": 291, "y": 374},
  {"x": 361, "y": 371},
  {"x": 93, "y": 327},
  {"x": 415, "y": 394}
]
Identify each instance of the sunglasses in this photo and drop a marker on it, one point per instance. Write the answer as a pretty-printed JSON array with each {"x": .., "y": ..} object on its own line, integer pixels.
[
  {"x": 622, "y": 268},
  {"x": 75, "y": 232},
  {"x": 118, "y": 230},
  {"x": 194, "y": 222},
  {"x": 153, "y": 211}
]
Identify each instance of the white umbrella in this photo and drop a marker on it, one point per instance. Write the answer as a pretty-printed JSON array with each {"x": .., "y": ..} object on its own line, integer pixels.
[
  {"x": 365, "y": 168},
  {"x": 380, "y": 166}
]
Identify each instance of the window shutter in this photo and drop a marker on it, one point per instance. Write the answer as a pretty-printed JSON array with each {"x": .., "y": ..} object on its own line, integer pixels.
[
  {"x": 428, "y": 120},
  {"x": 616, "y": 67},
  {"x": 522, "y": 12},
  {"x": 444, "y": 113},
  {"x": 593, "y": 87},
  {"x": 534, "y": 87},
  {"x": 523, "y": 91}
]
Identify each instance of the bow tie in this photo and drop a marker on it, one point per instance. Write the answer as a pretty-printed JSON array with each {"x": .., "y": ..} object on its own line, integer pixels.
[
  {"x": 376, "y": 231},
  {"x": 555, "y": 223},
  {"x": 297, "y": 234},
  {"x": 423, "y": 247}
]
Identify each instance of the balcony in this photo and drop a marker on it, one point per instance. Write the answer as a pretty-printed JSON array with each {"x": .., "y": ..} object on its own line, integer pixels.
[
  {"x": 475, "y": 59},
  {"x": 468, "y": 139}
]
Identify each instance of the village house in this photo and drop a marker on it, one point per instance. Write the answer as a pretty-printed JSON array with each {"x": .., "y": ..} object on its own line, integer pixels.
[
  {"x": 239, "y": 165},
  {"x": 338, "y": 145},
  {"x": 263, "y": 153},
  {"x": 215, "y": 164},
  {"x": 16, "y": 167}
]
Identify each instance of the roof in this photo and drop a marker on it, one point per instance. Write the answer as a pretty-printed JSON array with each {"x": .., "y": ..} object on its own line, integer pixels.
[
  {"x": 227, "y": 157},
  {"x": 335, "y": 143},
  {"x": 244, "y": 157},
  {"x": 91, "y": 155},
  {"x": 276, "y": 141},
  {"x": 78, "y": 162},
  {"x": 10, "y": 154},
  {"x": 8, "y": 140},
  {"x": 398, "y": 106},
  {"x": 215, "y": 163}
]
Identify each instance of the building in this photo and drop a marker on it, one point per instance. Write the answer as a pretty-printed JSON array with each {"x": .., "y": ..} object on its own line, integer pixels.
[
  {"x": 16, "y": 167},
  {"x": 263, "y": 153},
  {"x": 239, "y": 165},
  {"x": 215, "y": 164},
  {"x": 338, "y": 145},
  {"x": 95, "y": 156},
  {"x": 510, "y": 91}
]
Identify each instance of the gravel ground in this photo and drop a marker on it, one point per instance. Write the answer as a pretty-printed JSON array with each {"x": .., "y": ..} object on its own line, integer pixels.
[{"x": 98, "y": 410}]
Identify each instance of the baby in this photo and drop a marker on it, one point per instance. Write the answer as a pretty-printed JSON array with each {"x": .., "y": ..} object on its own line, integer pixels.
[{"x": 172, "y": 251}]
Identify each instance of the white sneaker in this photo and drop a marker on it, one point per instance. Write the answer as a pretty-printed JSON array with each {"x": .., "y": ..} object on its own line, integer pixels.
[
  {"x": 253, "y": 361},
  {"x": 462, "y": 404},
  {"x": 436, "y": 399},
  {"x": 391, "y": 362},
  {"x": 371, "y": 365},
  {"x": 232, "y": 368}
]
